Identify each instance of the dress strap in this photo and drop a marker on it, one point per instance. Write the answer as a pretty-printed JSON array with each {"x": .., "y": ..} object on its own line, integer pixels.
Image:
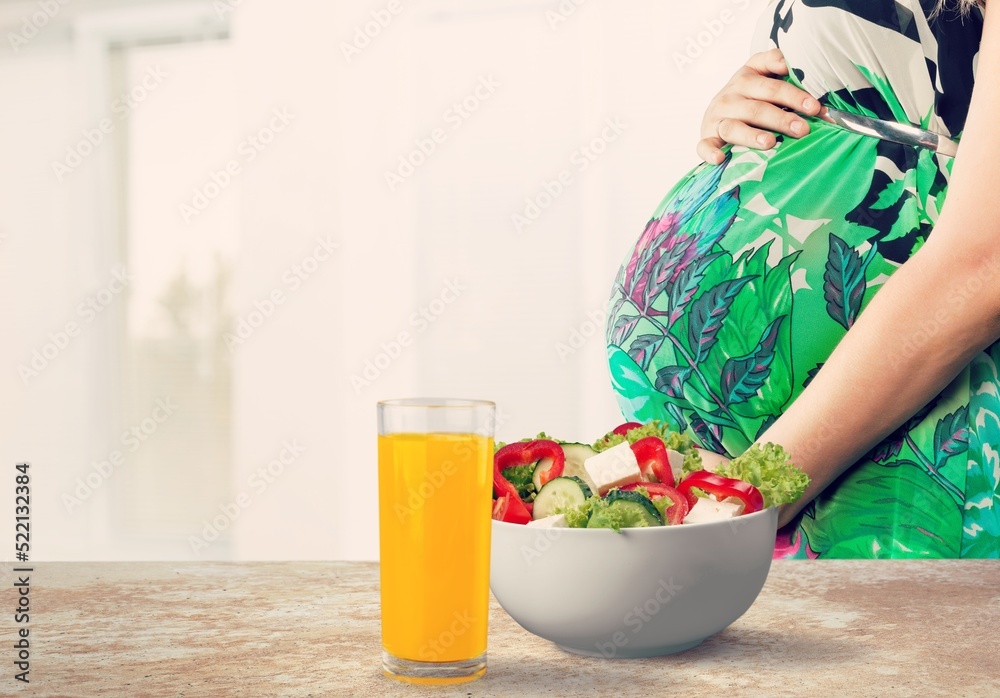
[{"x": 894, "y": 131}]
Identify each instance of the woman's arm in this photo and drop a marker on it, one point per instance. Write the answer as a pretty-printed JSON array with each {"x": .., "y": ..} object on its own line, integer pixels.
[{"x": 943, "y": 305}]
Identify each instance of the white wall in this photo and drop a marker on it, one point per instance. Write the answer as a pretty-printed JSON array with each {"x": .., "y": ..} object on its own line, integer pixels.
[{"x": 524, "y": 291}]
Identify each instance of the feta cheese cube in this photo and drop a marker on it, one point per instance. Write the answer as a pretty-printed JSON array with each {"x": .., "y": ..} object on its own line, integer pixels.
[
  {"x": 613, "y": 468},
  {"x": 737, "y": 502},
  {"x": 676, "y": 459},
  {"x": 707, "y": 509},
  {"x": 554, "y": 521}
]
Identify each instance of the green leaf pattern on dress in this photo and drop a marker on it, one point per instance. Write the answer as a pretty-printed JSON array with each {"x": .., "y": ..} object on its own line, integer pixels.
[
  {"x": 733, "y": 298},
  {"x": 981, "y": 511}
]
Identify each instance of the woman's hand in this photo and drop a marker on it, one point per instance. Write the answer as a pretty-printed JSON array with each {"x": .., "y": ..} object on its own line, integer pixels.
[{"x": 752, "y": 105}]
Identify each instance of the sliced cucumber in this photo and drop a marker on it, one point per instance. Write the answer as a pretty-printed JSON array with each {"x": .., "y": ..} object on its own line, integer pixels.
[
  {"x": 541, "y": 465},
  {"x": 575, "y": 455},
  {"x": 627, "y": 509},
  {"x": 559, "y": 494}
]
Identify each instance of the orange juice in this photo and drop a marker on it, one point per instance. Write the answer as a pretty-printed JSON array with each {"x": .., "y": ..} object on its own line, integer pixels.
[{"x": 434, "y": 531}]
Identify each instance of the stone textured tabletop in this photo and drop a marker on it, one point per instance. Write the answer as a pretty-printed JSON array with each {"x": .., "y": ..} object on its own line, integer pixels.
[{"x": 822, "y": 628}]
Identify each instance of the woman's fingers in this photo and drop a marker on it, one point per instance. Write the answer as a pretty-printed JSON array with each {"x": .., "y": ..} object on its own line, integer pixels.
[
  {"x": 749, "y": 120},
  {"x": 752, "y": 116},
  {"x": 772, "y": 61},
  {"x": 710, "y": 150},
  {"x": 774, "y": 91},
  {"x": 739, "y": 133}
]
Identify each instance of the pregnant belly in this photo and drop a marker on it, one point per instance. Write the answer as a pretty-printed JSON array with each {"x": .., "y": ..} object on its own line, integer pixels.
[{"x": 748, "y": 275}]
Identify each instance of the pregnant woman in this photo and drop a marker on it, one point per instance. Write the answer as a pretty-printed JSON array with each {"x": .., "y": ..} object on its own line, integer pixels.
[{"x": 796, "y": 294}]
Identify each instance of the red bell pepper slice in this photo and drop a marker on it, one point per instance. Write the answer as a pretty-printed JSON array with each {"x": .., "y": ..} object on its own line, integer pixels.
[
  {"x": 511, "y": 509},
  {"x": 543, "y": 448},
  {"x": 677, "y": 511},
  {"x": 505, "y": 456},
  {"x": 623, "y": 429},
  {"x": 523, "y": 453},
  {"x": 722, "y": 487},
  {"x": 653, "y": 459}
]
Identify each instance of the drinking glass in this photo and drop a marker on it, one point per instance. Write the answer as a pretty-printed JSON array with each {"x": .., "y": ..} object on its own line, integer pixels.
[{"x": 435, "y": 464}]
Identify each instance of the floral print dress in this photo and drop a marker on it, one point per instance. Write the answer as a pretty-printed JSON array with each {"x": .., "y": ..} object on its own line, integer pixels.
[{"x": 750, "y": 272}]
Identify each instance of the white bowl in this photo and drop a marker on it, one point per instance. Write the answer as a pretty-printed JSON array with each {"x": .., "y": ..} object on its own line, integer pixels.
[{"x": 643, "y": 592}]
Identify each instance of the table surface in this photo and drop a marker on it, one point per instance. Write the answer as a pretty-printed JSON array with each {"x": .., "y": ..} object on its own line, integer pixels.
[{"x": 826, "y": 628}]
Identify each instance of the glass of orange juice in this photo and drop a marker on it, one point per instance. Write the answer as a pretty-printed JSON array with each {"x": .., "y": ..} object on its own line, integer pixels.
[{"x": 435, "y": 473}]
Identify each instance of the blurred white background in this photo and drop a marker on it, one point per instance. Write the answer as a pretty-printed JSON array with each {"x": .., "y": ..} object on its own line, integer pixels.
[{"x": 217, "y": 218}]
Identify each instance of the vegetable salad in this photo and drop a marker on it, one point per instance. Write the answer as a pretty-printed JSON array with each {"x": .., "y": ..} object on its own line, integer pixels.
[{"x": 637, "y": 475}]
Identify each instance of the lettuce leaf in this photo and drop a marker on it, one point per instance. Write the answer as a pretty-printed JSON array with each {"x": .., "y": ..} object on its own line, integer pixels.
[
  {"x": 597, "y": 513},
  {"x": 769, "y": 469},
  {"x": 661, "y": 503},
  {"x": 577, "y": 517},
  {"x": 604, "y": 516},
  {"x": 671, "y": 439},
  {"x": 520, "y": 477},
  {"x": 541, "y": 435}
]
